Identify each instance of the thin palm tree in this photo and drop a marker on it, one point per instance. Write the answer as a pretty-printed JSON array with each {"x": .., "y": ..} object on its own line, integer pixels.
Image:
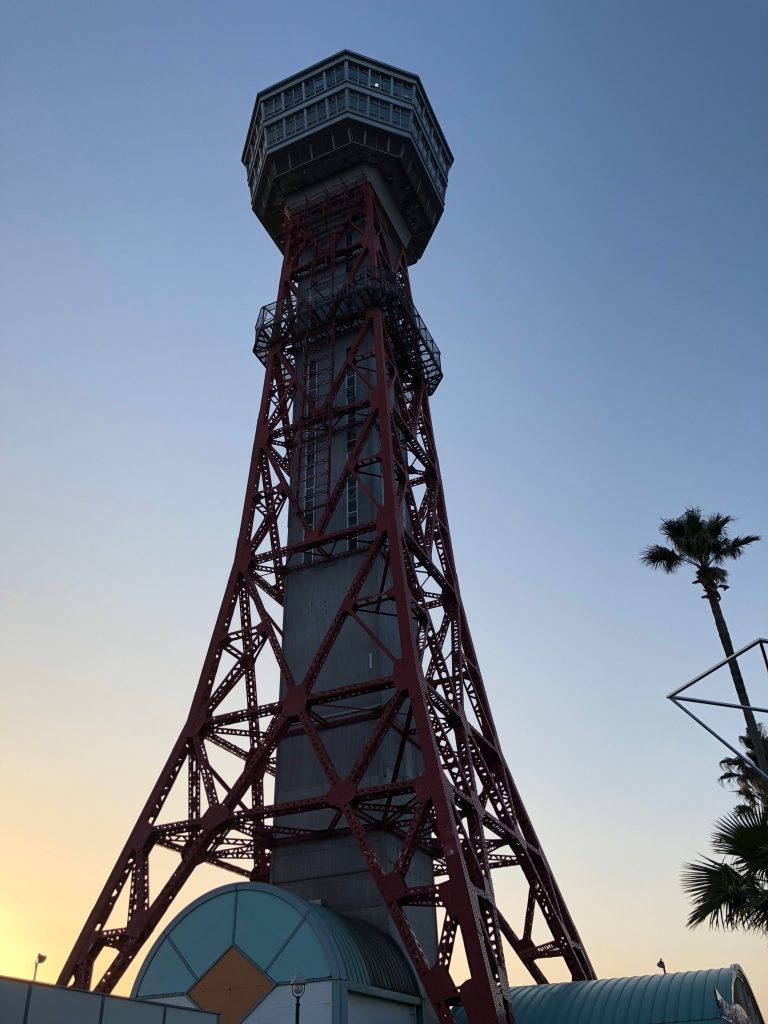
[
  {"x": 739, "y": 776},
  {"x": 732, "y": 893},
  {"x": 704, "y": 544}
]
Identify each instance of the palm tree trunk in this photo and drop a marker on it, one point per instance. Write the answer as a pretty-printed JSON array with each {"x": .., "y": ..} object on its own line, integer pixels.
[{"x": 738, "y": 680}]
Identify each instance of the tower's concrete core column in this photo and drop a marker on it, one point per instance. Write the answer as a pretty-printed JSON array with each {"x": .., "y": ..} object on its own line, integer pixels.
[{"x": 347, "y": 169}]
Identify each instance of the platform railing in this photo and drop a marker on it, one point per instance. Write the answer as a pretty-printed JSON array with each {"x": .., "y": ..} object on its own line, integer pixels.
[{"x": 291, "y": 321}]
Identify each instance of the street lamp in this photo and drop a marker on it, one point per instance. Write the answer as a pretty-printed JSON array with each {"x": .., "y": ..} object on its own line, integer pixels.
[
  {"x": 298, "y": 984},
  {"x": 39, "y": 959}
]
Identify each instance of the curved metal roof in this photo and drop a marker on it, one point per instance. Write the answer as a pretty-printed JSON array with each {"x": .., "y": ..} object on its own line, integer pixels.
[
  {"x": 688, "y": 996},
  {"x": 279, "y": 933},
  {"x": 369, "y": 957}
]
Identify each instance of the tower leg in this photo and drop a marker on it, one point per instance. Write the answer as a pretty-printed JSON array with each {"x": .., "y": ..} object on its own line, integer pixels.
[{"x": 392, "y": 762}]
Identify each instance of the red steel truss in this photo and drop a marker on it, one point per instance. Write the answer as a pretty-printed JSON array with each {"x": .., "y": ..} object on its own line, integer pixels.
[{"x": 214, "y": 800}]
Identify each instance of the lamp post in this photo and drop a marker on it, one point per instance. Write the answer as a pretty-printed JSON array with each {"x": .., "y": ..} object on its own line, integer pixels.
[
  {"x": 39, "y": 959},
  {"x": 298, "y": 984}
]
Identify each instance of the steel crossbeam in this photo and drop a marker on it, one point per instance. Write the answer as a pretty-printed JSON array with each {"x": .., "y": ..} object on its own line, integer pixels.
[{"x": 460, "y": 805}]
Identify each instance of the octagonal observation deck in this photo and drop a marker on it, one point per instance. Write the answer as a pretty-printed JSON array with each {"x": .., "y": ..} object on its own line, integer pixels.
[{"x": 349, "y": 114}]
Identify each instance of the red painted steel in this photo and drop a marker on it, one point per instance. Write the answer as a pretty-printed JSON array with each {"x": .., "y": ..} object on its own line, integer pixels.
[{"x": 463, "y": 806}]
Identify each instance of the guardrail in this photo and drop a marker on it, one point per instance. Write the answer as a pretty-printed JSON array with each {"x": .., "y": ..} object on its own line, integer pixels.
[{"x": 292, "y": 321}]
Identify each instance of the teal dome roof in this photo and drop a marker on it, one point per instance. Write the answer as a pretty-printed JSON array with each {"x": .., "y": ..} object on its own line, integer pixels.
[
  {"x": 278, "y": 933},
  {"x": 651, "y": 999}
]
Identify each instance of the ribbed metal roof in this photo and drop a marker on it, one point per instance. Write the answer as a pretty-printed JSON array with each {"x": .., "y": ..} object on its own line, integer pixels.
[
  {"x": 684, "y": 998},
  {"x": 279, "y": 933},
  {"x": 370, "y": 957}
]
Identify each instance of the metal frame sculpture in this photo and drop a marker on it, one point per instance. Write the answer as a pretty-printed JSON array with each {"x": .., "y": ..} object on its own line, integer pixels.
[
  {"x": 679, "y": 701},
  {"x": 463, "y": 806}
]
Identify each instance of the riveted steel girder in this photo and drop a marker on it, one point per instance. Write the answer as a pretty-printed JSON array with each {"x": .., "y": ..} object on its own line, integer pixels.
[{"x": 460, "y": 804}]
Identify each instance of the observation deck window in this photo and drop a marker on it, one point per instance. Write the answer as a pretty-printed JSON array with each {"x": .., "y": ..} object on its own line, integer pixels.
[
  {"x": 358, "y": 102},
  {"x": 314, "y": 85},
  {"x": 358, "y": 73},
  {"x": 336, "y": 103},
  {"x": 273, "y": 105},
  {"x": 380, "y": 109},
  {"x": 402, "y": 89},
  {"x": 381, "y": 81},
  {"x": 316, "y": 113},
  {"x": 294, "y": 123},
  {"x": 334, "y": 75},
  {"x": 275, "y": 132},
  {"x": 401, "y": 117},
  {"x": 293, "y": 95}
]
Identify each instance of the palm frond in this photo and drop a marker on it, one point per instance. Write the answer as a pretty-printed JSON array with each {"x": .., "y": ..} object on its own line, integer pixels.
[
  {"x": 742, "y": 810},
  {"x": 750, "y": 790},
  {"x": 656, "y": 556},
  {"x": 740, "y": 776},
  {"x": 716, "y": 524},
  {"x": 732, "y": 777},
  {"x": 735, "y": 781},
  {"x": 723, "y": 897},
  {"x": 702, "y": 542},
  {"x": 712, "y": 575},
  {"x": 733, "y": 547},
  {"x": 687, "y": 533},
  {"x": 744, "y": 838}
]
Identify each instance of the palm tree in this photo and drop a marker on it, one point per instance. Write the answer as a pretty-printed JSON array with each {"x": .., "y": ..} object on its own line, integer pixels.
[
  {"x": 704, "y": 544},
  {"x": 733, "y": 893},
  {"x": 740, "y": 776}
]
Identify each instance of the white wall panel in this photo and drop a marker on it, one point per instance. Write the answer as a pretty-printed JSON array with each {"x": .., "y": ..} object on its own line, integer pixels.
[{"x": 280, "y": 1006}]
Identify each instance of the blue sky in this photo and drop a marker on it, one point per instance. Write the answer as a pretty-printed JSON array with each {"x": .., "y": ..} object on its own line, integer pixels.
[{"x": 597, "y": 288}]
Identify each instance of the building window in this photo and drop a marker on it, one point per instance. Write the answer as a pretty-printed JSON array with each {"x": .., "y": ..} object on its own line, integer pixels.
[
  {"x": 336, "y": 104},
  {"x": 316, "y": 113},
  {"x": 294, "y": 123},
  {"x": 400, "y": 116},
  {"x": 350, "y": 394},
  {"x": 380, "y": 109},
  {"x": 293, "y": 95},
  {"x": 352, "y": 519},
  {"x": 334, "y": 75},
  {"x": 381, "y": 82},
  {"x": 421, "y": 139},
  {"x": 273, "y": 105},
  {"x": 310, "y": 479},
  {"x": 358, "y": 73},
  {"x": 314, "y": 85},
  {"x": 274, "y": 132},
  {"x": 402, "y": 89},
  {"x": 310, "y": 455},
  {"x": 358, "y": 102}
]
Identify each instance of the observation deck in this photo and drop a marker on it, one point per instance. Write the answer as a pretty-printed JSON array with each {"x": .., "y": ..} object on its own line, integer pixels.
[{"x": 349, "y": 113}]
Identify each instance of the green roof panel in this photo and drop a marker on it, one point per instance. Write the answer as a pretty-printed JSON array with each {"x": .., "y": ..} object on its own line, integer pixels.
[
  {"x": 687, "y": 997},
  {"x": 278, "y": 932}
]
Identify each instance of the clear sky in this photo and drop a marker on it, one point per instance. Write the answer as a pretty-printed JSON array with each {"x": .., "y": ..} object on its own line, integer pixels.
[{"x": 598, "y": 289}]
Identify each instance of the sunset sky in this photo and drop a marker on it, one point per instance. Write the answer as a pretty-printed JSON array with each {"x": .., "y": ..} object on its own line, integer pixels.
[{"x": 597, "y": 287}]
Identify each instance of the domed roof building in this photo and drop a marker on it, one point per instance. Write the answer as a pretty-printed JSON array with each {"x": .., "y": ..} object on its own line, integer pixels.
[{"x": 236, "y": 950}]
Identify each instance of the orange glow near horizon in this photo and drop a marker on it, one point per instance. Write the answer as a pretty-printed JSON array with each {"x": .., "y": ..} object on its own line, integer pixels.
[{"x": 596, "y": 286}]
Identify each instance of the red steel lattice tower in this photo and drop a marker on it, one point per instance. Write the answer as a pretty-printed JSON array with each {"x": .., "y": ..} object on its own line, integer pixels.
[{"x": 340, "y": 742}]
